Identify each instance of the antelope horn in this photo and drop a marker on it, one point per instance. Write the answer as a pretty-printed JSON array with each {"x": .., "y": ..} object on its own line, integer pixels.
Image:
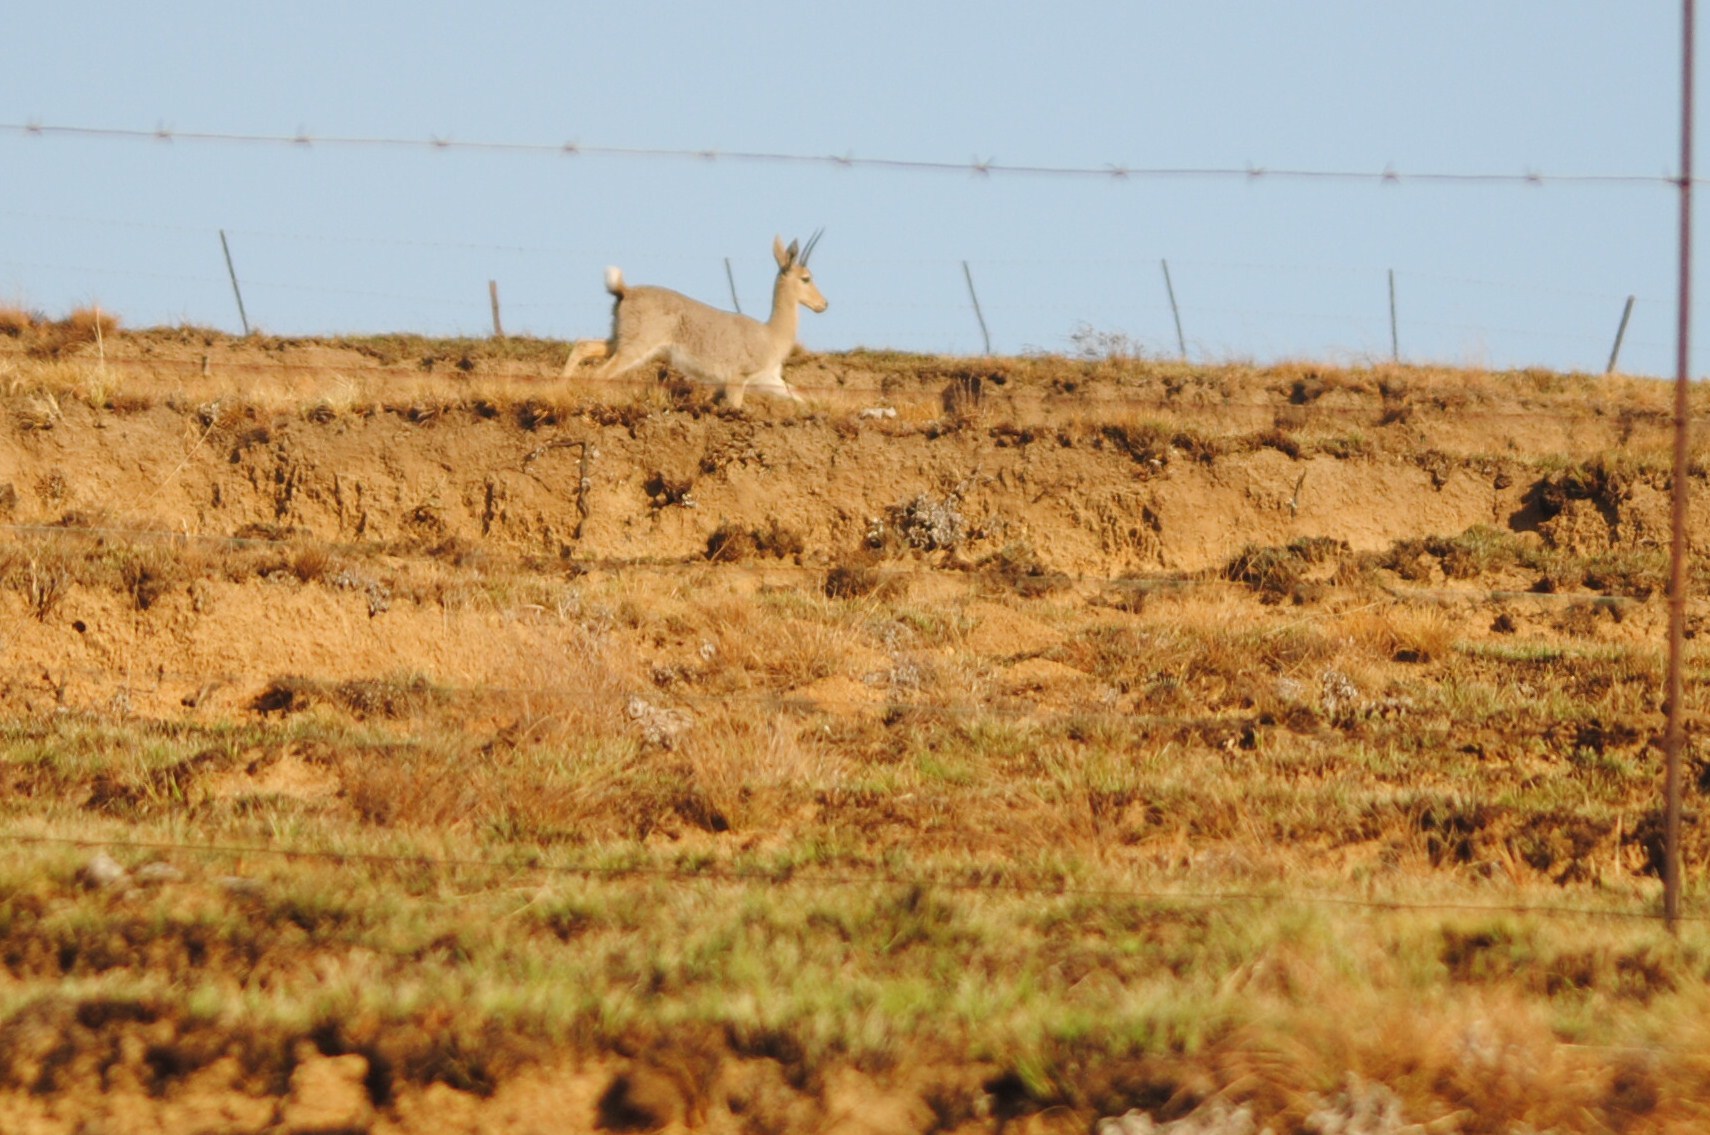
[{"x": 807, "y": 249}]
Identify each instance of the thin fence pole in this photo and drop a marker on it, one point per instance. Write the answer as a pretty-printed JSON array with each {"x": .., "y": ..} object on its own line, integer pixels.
[
  {"x": 493, "y": 295},
  {"x": 731, "y": 276},
  {"x": 984, "y": 334},
  {"x": 236, "y": 291},
  {"x": 1620, "y": 334},
  {"x": 1175, "y": 310},
  {"x": 1674, "y": 732},
  {"x": 1394, "y": 331}
]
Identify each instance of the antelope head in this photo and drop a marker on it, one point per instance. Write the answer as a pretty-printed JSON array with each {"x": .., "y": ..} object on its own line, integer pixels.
[{"x": 793, "y": 270}]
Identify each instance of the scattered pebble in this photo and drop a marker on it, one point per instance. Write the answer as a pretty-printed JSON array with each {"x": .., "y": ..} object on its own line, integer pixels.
[
  {"x": 159, "y": 873},
  {"x": 1215, "y": 1118},
  {"x": 103, "y": 872},
  {"x": 238, "y": 885},
  {"x": 660, "y": 726},
  {"x": 378, "y": 594},
  {"x": 1341, "y": 696},
  {"x": 1361, "y": 1108}
]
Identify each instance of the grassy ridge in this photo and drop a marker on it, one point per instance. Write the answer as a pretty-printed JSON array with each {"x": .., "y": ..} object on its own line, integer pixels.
[{"x": 1104, "y": 843}]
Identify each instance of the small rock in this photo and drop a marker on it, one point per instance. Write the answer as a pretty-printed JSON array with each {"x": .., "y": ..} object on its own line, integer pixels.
[
  {"x": 155, "y": 873},
  {"x": 238, "y": 885},
  {"x": 660, "y": 726},
  {"x": 103, "y": 872},
  {"x": 1361, "y": 1108},
  {"x": 1135, "y": 1122},
  {"x": 1215, "y": 1118},
  {"x": 1341, "y": 696},
  {"x": 378, "y": 594}
]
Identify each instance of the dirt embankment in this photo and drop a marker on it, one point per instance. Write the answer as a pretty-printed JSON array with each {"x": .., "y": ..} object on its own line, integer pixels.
[
  {"x": 407, "y": 454},
  {"x": 1094, "y": 487}
]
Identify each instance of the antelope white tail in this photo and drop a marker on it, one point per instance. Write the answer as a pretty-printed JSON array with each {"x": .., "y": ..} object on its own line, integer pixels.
[{"x": 708, "y": 344}]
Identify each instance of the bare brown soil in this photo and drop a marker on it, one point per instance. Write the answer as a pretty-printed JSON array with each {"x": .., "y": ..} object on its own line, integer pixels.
[{"x": 203, "y": 530}]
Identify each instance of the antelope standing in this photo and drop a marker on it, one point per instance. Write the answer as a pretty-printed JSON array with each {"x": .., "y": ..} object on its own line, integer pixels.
[{"x": 721, "y": 347}]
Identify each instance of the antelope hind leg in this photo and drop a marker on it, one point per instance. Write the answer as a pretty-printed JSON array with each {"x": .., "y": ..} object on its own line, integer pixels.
[{"x": 581, "y": 351}]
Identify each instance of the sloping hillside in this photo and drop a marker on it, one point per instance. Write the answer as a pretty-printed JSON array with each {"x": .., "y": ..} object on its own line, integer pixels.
[{"x": 986, "y": 744}]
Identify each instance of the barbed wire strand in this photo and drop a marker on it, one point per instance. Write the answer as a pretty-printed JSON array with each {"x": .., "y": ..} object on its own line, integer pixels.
[{"x": 982, "y": 167}]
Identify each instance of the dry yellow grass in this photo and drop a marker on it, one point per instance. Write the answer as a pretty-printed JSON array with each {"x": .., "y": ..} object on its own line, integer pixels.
[
  {"x": 15, "y": 321},
  {"x": 1237, "y": 833}
]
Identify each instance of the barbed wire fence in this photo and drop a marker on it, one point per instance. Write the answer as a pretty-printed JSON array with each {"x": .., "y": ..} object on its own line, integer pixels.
[
  {"x": 950, "y": 291},
  {"x": 920, "y": 324},
  {"x": 945, "y": 309}
]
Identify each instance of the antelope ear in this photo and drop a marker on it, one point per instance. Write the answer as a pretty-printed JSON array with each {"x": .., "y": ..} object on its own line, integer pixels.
[{"x": 782, "y": 255}]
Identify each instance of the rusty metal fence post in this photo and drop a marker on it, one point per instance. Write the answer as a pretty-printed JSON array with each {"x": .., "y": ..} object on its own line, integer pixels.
[{"x": 1674, "y": 732}]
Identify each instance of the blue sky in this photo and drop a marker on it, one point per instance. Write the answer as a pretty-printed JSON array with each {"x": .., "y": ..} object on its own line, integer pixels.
[{"x": 330, "y": 238}]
